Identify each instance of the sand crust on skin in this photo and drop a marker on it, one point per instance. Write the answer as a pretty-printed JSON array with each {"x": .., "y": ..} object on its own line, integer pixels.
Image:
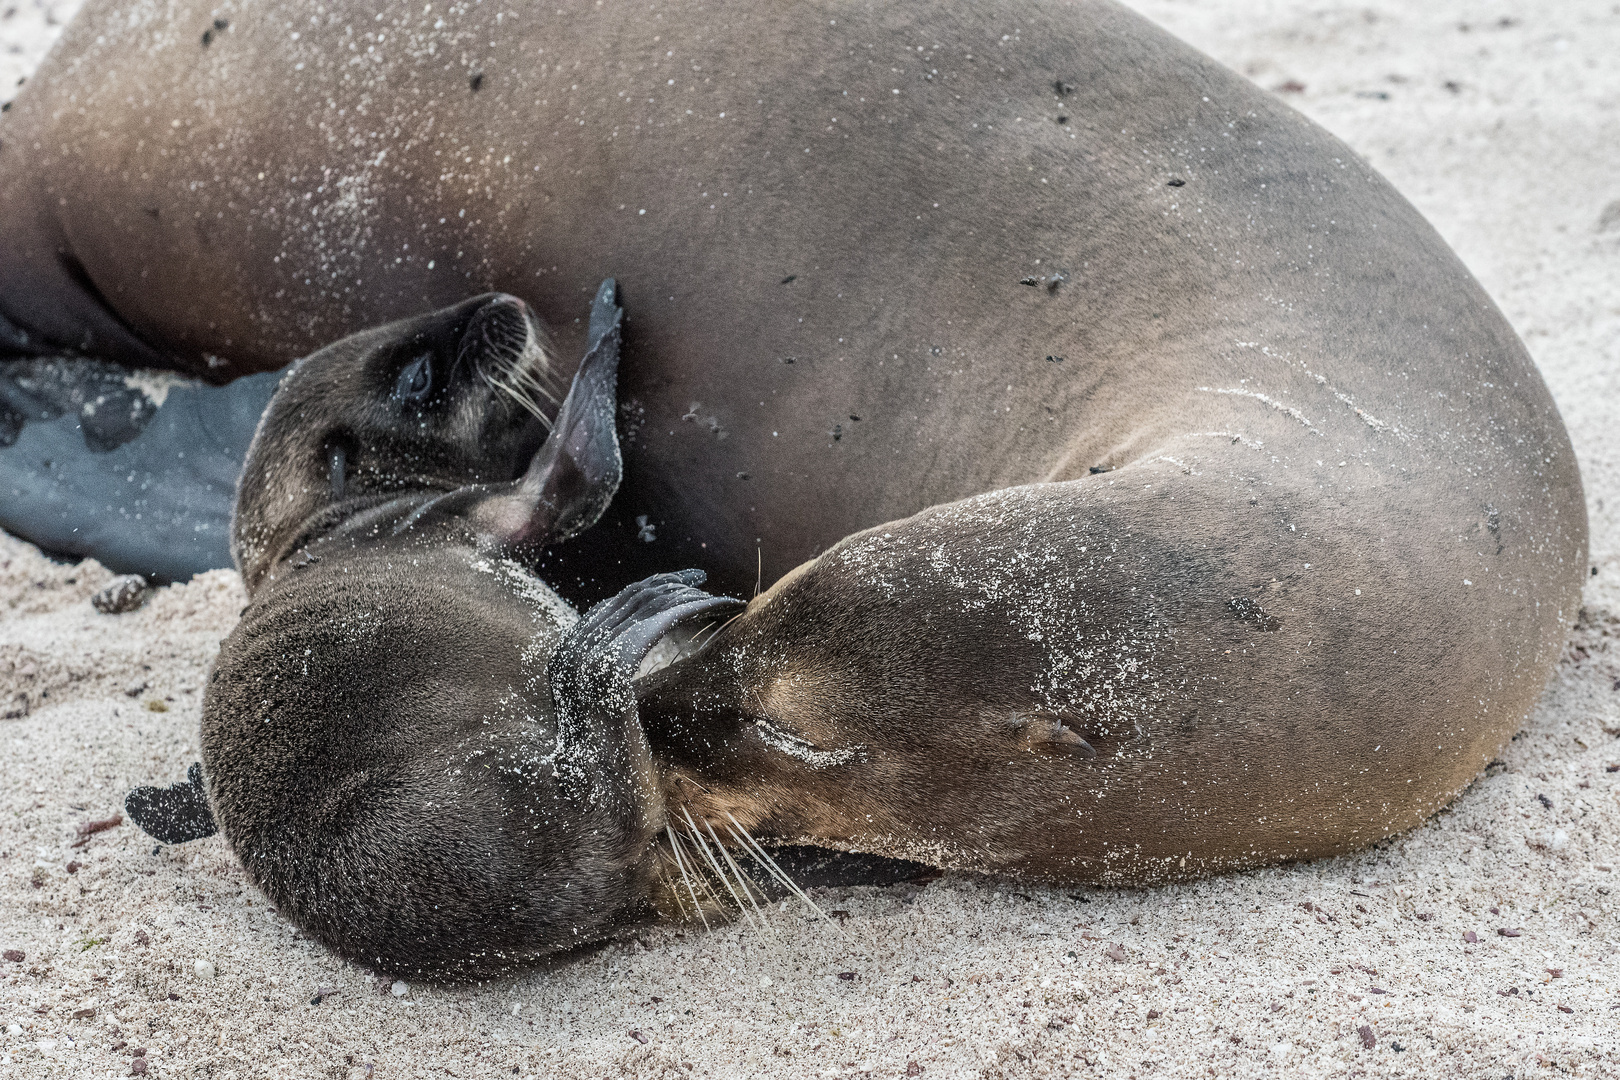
[{"x": 1501, "y": 129}]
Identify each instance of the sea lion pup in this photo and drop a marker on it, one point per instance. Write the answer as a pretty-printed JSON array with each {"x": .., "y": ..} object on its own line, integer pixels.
[{"x": 413, "y": 746}]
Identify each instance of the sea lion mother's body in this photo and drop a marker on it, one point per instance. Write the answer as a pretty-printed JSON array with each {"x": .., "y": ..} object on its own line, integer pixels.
[{"x": 1306, "y": 485}]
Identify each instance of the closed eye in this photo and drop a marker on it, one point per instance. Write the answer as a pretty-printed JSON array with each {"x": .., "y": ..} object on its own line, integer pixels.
[{"x": 415, "y": 382}]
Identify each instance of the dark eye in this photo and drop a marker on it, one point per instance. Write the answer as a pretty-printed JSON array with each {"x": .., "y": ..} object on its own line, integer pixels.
[{"x": 415, "y": 380}]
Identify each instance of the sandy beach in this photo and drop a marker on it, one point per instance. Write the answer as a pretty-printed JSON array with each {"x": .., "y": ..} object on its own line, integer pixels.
[{"x": 1485, "y": 943}]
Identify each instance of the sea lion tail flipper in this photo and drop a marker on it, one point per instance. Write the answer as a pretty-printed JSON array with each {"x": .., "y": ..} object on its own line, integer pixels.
[
  {"x": 573, "y": 478},
  {"x": 173, "y": 814}
]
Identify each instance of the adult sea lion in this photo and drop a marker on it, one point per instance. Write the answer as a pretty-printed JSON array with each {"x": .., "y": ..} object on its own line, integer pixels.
[{"x": 1117, "y": 325}]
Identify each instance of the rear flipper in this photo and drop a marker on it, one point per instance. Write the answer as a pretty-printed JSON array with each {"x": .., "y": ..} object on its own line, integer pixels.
[
  {"x": 136, "y": 469},
  {"x": 173, "y": 814}
]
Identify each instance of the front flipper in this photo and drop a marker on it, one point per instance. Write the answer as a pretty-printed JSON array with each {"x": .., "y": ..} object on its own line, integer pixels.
[
  {"x": 590, "y": 670},
  {"x": 136, "y": 469},
  {"x": 173, "y": 814}
]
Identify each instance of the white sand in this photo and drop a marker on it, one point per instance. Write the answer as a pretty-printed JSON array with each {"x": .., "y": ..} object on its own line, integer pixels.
[{"x": 1233, "y": 977}]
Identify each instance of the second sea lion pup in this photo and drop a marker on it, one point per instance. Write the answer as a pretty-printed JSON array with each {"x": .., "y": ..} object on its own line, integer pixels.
[{"x": 413, "y": 745}]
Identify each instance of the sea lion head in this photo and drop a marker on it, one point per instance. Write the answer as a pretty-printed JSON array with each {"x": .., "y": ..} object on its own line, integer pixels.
[{"x": 458, "y": 397}]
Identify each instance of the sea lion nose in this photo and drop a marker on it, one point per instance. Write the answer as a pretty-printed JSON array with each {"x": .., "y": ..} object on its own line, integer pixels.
[{"x": 499, "y": 327}]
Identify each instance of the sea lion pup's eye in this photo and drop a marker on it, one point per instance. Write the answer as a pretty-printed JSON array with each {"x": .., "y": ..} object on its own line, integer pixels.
[{"x": 415, "y": 380}]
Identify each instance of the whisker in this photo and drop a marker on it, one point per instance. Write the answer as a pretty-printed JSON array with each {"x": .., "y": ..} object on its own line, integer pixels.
[
  {"x": 753, "y": 847},
  {"x": 675, "y": 846},
  {"x": 663, "y": 876},
  {"x": 713, "y": 862},
  {"x": 748, "y": 886},
  {"x": 718, "y": 628},
  {"x": 759, "y": 568}
]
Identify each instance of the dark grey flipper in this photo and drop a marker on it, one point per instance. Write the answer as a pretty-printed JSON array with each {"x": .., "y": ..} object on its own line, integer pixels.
[
  {"x": 136, "y": 469},
  {"x": 591, "y": 669},
  {"x": 173, "y": 814}
]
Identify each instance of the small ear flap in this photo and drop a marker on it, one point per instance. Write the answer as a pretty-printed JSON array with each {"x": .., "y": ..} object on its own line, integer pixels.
[
  {"x": 573, "y": 478},
  {"x": 1048, "y": 735}
]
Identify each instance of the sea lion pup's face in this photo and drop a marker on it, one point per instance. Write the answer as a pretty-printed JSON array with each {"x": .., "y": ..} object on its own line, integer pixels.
[{"x": 457, "y": 397}]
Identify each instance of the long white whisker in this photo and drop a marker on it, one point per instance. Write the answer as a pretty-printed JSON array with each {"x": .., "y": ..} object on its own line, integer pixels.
[
  {"x": 680, "y": 861},
  {"x": 718, "y": 869},
  {"x": 663, "y": 875},
  {"x": 748, "y": 887},
  {"x": 753, "y": 846}
]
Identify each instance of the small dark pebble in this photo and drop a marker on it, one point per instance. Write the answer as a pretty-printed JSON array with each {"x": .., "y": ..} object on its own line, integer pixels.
[
  {"x": 1368, "y": 1039},
  {"x": 640, "y": 1037},
  {"x": 1544, "y": 801},
  {"x": 1565, "y": 1009},
  {"x": 137, "y": 1067},
  {"x": 855, "y": 418},
  {"x": 16, "y": 956},
  {"x": 1175, "y": 181},
  {"x": 207, "y": 38},
  {"x": 1397, "y": 1047},
  {"x": 1292, "y": 86},
  {"x": 73, "y": 867},
  {"x": 221, "y": 24},
  {"x": 1509, "y": 992},
  {"x": 1506, "y": 931},
  {"x": 1611, "y": 768},
  {"x": 121, "y": 595},
  {"x": 790, "y": 279},
  {"x": 847, "y": 976},
  {"x": 839, "y": 913},
  {"x": 83, "y": 1014},
  {"x": 1054, "y": 359},
  {"x": 476, "y": 81},
  {"x": 174, "y": 997},
  {"x": 1557, "y": 973},
  {"x": 139, "y": 1051},
  {"x": 1154, "y": 1014},
  {"x": 142, "y": 938},
  {"x": 913, "y": 1069},
  {"x": 1376, "y": 990},
  {"x": 1471, "y": 937},
  {"x": 1275, "y": 1007},
  {"x": 1425, "y": 916}
]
